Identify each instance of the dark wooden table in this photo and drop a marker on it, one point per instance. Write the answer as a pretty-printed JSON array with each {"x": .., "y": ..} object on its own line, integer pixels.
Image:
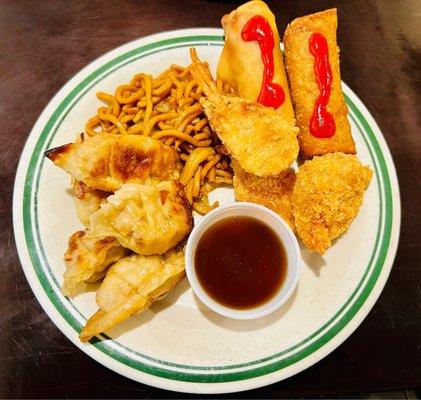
[{"x": 42, "y": 44}]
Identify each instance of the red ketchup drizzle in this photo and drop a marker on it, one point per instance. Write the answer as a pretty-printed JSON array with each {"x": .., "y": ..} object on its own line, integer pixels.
[
  {"x": 322, "y": 124},
  {"x": 258, "y": 29}
]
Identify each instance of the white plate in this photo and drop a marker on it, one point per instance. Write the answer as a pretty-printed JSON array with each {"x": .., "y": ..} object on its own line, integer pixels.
[{"x": 178, "y": 344}]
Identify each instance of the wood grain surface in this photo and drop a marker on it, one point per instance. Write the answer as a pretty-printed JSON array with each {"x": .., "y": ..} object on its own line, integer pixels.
[{"x": 44, "y": 43}]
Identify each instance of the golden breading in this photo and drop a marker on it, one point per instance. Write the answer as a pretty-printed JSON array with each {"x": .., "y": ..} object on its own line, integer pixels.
[
  {"x": 86, "y": 258},
  {"x": 272, "y": 192},
  {"x": 131, "y": 286},
  {"x": 303, "y": 84},
  {"x": 149, "y": 219},
  {"x": 87, "y": 201},
  {"x": 262, "y": 141},
  {"x": 327, "y": 196},
  {"x": 107, "y": 161},
  {"x": 241, "y": 65},
  {"x": 256, "y": 136}
]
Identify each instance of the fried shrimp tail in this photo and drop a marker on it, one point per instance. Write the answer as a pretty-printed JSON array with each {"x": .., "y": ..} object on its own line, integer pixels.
[
  {"x": 202, "y": 75},
  {"x": 131, "y": 286},
  {"x": 262, "y": 141},
  {"x": 87, "y": 201}
]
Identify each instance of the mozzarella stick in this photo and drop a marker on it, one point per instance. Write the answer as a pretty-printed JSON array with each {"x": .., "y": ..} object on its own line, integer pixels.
[
  {"x": 243, "y": 62},
  {"x": 312, "y": 62}
]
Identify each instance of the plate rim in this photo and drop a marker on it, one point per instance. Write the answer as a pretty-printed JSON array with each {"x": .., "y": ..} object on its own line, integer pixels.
[{"x": 197, "y": 387}]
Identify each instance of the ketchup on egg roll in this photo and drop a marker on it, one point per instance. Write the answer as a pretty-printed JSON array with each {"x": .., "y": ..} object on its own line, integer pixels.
[
  {"x": 312, "y": 63},
  {"x": 251, "y": 61}
]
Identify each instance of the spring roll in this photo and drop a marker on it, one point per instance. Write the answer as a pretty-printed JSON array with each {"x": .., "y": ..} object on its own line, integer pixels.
[
  {"x": 243, "y": 62},
  {"x": 312, "y": 62}
]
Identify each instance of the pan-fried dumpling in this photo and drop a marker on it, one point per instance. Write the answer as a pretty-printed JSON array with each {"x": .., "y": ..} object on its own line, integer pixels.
[
  {"x": 107, "y": 161},
  {"x": 131, "y": 286},
  {"x": 87, "y": 201},
  {"x": 87, "y": 258},
  {"x": 148, "y": 219}
]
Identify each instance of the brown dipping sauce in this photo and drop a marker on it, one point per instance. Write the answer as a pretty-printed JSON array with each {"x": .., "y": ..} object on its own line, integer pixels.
[{"x": 240, "y": 262}]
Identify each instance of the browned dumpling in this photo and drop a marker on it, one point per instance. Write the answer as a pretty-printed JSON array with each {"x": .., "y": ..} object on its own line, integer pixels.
[
  {"x": 87, "y": 258},
  {"x": 107, "y": 161},
  {"x": 131, "y": 286},
  {"x": 87, "y": 201},
  {"x": 149, "y": 219}
]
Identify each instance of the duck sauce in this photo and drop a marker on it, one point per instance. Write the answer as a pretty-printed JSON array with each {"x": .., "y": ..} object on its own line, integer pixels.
[
  {"x": 322, "y": 124},
  {"x": 240, "y": 262},
  {"x": 257, "y": 29}
]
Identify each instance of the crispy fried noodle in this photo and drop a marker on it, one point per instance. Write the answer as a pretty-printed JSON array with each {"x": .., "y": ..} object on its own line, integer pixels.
[{"x": 167, "y": 108}]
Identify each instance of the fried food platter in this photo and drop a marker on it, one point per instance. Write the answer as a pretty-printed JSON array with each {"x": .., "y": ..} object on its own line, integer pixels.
[{"x": 178, "y": 344}]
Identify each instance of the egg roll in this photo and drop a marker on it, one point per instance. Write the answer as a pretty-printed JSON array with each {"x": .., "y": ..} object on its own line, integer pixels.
[
  {"x": 312, "y": 63},
  {"x": 241, "y": 65}
]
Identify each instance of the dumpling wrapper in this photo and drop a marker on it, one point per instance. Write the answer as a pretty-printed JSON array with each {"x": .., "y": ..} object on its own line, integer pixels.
[
  {"x": 87, "y": 201},
  {"x": 148, "y": 218},
  {"x": 131, "y": 286},
  {"x": 87, "y": 258},
  {"x": 107, "y": 161}
]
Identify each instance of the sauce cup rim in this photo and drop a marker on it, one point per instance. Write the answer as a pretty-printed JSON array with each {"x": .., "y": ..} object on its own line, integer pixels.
[{"x": 283, "y": 232}]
